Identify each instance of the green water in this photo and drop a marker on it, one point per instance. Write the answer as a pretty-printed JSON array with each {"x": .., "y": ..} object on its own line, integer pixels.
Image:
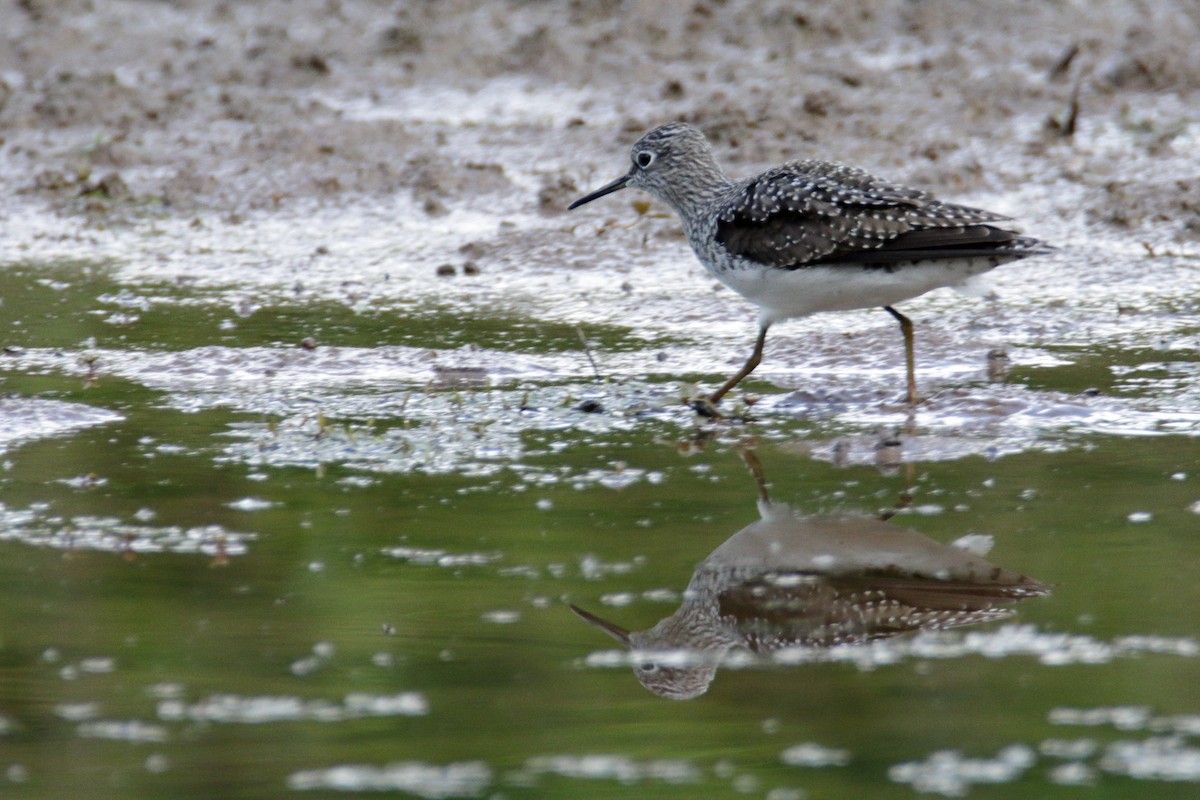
[{"x": 360, "y": 614}]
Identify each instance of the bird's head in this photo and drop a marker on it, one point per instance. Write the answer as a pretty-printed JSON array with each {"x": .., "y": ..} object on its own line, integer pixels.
[
  {"x": 667, "y": 162},
  {"x": 659, "y": 663}
]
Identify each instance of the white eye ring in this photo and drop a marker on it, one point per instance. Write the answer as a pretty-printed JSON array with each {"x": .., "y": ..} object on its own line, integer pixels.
[{"x": 644, "y": 159}]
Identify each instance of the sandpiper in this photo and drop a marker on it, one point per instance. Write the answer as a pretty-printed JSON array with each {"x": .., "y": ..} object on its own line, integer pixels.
[
  {"x": 802, "y": 583},
  {"x": 809, "y": 236}
]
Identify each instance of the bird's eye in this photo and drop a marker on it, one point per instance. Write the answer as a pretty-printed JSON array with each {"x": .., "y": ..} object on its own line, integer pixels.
[
  {"x": 647, "y": 666},
  {"x": 644, "y": 159}
]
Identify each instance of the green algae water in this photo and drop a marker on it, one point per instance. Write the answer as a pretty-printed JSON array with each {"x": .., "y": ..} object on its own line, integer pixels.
[{"x": 252, "y": 568}]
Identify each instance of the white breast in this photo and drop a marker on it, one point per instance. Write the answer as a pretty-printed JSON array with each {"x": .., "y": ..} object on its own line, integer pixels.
[{"x": 784, "y": 294}]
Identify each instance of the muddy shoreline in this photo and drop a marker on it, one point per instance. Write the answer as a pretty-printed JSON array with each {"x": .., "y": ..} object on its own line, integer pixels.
[{"x": 117, "y": 112}]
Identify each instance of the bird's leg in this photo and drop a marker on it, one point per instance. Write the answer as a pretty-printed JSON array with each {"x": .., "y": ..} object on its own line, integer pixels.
[
  {"x": 906, "y": 497},
  {"x": 751, "y": 363},
  {"x": 906, "y": 327},
  {"x": 708, "y": 407},
  {"x": 750, "y": 458}
]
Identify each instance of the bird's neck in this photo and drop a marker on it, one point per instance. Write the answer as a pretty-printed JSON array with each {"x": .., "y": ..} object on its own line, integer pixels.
[
  {"x": 691, "y": 198},
  {"x": 696, "y": 624}
]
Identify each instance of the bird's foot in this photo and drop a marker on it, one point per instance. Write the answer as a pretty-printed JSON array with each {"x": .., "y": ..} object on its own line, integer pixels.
[{"x": 705, "y": 407}]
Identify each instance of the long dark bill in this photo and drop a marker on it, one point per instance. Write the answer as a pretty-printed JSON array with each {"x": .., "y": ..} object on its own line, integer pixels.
[
  {"x": 615, "y": 186},
  {"x": 617, "y": 632}
]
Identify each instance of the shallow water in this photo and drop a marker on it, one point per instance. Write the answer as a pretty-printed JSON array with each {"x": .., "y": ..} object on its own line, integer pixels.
[{"x": 234, "y": 565}]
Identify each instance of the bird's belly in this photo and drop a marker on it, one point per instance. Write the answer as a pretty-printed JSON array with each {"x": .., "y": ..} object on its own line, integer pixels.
[{"x": 782, "y": 293}]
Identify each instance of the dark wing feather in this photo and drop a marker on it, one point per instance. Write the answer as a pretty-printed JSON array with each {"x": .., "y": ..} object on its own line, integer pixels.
[
  {"x": 825, "y": 610},
  {"x": 813, "y": 212}
]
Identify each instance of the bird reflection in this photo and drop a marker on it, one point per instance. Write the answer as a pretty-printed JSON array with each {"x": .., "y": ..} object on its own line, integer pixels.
[{"x": 792, "y": 580}]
